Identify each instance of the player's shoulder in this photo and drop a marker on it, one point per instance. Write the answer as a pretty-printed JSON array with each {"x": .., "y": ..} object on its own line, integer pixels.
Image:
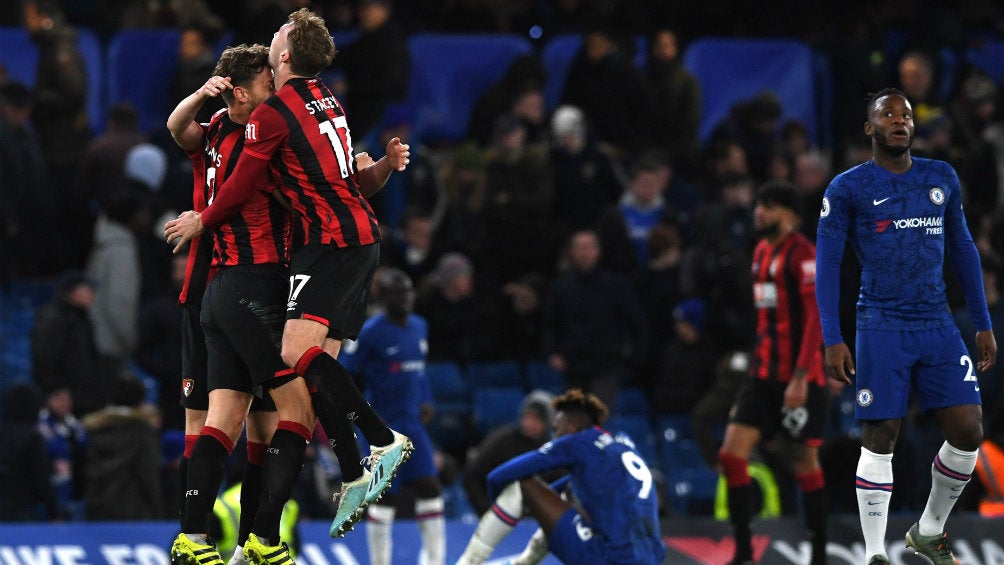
[
  {"x": 418, "y": 321},
  {"x": 854, "y": 175}
]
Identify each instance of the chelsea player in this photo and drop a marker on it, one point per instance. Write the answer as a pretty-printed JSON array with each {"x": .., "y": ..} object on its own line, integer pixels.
[
  {"x": 389, "y": 355},
  {"x": 615, "y": 519},
  {"x": 902, "y": 214}
]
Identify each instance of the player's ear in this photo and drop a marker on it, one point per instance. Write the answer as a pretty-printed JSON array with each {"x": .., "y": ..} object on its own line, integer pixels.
[{"x": 868, "y": 129}]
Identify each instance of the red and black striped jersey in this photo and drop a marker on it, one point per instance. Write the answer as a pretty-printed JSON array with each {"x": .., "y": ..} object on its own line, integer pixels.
[
  {"x": 788, "y": 334},
  {"x": 259, "y": 232},
  {"x": 302, "y": 129},
  {"x": 200, "y": 250}
]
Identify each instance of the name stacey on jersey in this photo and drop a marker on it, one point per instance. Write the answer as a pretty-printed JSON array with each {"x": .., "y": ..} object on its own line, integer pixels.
[{"x": 326, "y": 103}]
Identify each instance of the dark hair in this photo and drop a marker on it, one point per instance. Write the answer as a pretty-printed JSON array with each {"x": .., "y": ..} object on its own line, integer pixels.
[
  {"x": 127, "y": 391},
  {"x": 124, "y": 115},
  {"x": 779, "y": 193},
  {"x": 311, "y": 48},
  {"x": 242, "y": 64},
  {"x": 16, "y": 94},
  {"x": 578, "y": 402},
  {"x": 874, "y": 96}
]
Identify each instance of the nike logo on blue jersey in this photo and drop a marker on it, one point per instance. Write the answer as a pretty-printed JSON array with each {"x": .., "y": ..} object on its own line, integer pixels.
[{"x": 877, "y": 202}]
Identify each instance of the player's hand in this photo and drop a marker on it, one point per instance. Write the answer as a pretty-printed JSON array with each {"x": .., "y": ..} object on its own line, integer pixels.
[
  {"x": 185, "y": 228},
  {"x": 363, "y": 160},
  {"x": 398, "y": 154},
  {"x": 215, "y": 86},
  {"x": 986, "y": 345},
  {"x": 797, "y": 390},
  {"x": 839, "y": 363}
]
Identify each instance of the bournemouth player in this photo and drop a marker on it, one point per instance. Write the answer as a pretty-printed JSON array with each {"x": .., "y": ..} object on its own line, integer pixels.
[
  {"x": 785, "y": 392},
  {"x": 303, "y": 133},
  {"x": 902, "y": 215}
]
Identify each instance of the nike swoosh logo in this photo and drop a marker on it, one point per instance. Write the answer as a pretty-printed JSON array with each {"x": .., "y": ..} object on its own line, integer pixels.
[
  {"x": 870, "y": 503},
  {"x": 877, "y": 202}
]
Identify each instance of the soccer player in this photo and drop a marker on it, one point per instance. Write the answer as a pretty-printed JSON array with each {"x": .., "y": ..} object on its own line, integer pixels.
[
  {"x": 902, "y": 214},
  {"x": 390, "y": 355},
  {"x": 618, "y": 521},
  {"x": 303, "y": 133},
  {"x": 785, "y": 391},
  {"x": 213, "y": 149}
]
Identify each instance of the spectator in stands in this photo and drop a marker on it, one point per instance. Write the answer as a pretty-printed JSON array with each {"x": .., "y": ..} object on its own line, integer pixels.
[
  {"x": 918, "y": 79},
  {"x": 63, "y": 353},
  {"x": 593, "y": 329},
  {"x": 811, "y": 175},
  {"x": 448, "y": 303},
  {"x": 505, "y": 442},
  {"x": 677, "y": 97},
  {"x": 25, "y": 491},
  {"x": 65, "y": 440},
  {"x": 612, "y": 93},
  {"x": 377, "y": 66},
  {"x": 145, "y": 168},
  {"x": 653, "y": 197},
  {"x": 753, "y": 124},
  {"x": 685, "y": 365},
  {"x": 27, "y": 205},
  {"x": 520, "y": 188},
  {"x": 412, "y": 247},
  {"x": 123, "y": 457},
  {"x": 59, "y": 115},
  {"x": 102, "y": 172},
  {"x": 659, "y": 284},
  {"x": 519, "y": 92},
  {"x": 115, "y": 265},
  {"x": 196, "y": 61},
  {"x": 973, "y": 112},
  {"x": 160, "y": 342},
  {"x": 587, "y": 176},
  {"x": 515, "y": 329}
]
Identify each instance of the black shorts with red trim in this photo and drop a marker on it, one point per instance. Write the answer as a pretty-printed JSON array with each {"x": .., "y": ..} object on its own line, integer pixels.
[
  {"x": 194, "y": 394},
  {"x": 760, "y": 404},
  {"x": 243, "y": 318},
  {"x": 331, "y": 285}
]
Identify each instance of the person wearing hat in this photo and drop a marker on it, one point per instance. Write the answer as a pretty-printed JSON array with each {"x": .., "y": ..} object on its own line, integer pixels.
[{"x": 785, "y": 393}]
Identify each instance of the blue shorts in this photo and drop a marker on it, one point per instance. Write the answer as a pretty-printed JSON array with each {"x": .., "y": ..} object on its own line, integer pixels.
[
  {"x": 572, "y": 541},
  {"x": 934, "y": 363}
]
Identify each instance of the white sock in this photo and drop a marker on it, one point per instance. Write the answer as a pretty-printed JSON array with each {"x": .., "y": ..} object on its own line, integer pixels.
[
  {"x": 198, "y": 538},
  {"x": 950, "y": 473},
  {"x": 238, "y": 556},
  {"x": 378, "y": 525},
  {"x": 535, "y": 550},
  {"x": 432, "y": 528},
  {"x": 494, "y": 526},
  {"x": 874, "y": 489}
]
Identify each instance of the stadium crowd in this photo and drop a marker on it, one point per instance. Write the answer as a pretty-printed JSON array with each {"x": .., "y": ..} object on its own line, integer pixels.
[{"x": 605, "y": 240}]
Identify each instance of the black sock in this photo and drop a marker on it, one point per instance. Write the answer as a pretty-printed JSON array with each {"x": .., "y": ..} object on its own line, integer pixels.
[
  {"x": 815, "y": 508},
  {"x": 182, "y": 486},
  {"x": 341, "y": 435},
  {"x": 328, "y": 376},
  {"x": 250, "y": 495},
  {"x": 205, "y": 475},
  {"x": 740, "y": 515},
  {"x": 283, "y": 461}
]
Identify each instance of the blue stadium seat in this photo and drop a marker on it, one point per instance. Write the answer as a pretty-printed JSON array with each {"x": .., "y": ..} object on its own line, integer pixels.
[
  {"x": 141, "y": 63},
  {"x": 632, "y": 401},
  {"x": 692, "y": 491},
  {"x": 501, "y": 374},
  {"x": 641, "y": 432},
  {"x": 734, "y": 70},
  {"x": 447, "y": 381},
  {"x": 540, "y": 375},
  {"x": 20, "y": 57},
  {"x": 495, "y": 406},
  {"x": 449, "y": 72},
  {"x": 674, "y": 427},
  {"x": 989, "y": 58}
]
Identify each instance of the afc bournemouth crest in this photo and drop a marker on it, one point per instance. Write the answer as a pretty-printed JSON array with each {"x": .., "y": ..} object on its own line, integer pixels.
[
  {"x": 937, "y": 195},
  {"x": 186, "y": 386}
]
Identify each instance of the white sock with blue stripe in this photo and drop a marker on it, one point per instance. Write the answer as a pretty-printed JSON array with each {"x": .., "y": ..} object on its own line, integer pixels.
[
  {"x": 874, "y": 489},
  {"x": 950, "y": 473}
]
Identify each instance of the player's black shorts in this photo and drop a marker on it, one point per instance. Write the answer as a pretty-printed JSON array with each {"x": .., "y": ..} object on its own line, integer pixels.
[
  {"x": 194, "y": 394},
  {"x": 243, "y": 317},
  {"x": 760, "y": 404},
  {"x": 331, "y": 285}
]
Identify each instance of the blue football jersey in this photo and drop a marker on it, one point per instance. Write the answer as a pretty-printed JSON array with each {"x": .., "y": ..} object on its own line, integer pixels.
[
  {"x": 391, "y": 359},
  {"x": 899, "y": 226},
  {"x": 612, "y": 482}
]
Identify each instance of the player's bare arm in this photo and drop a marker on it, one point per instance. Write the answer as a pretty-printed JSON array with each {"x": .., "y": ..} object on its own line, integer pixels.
[
  {"x": 374, "y": 177},
  {"x": 797, "y": 390},
  {"x": 838, "y": 362},
  {"x": 181, "y": 123},
  {"x": 185, "y": 228},
  {"x": 986, "y": 345}
]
